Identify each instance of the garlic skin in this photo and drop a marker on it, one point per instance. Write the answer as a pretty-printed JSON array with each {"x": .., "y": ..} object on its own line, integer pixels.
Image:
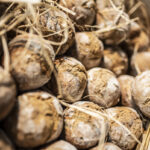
[
  {"x": 7, "y": 94},
  {"x": 116, "y": 60},
  {"x": 88, "y": 49},
  {"x": 108, "y": 146},
  {"x": 103, "y": 87},
  {"x": 57, "y": 27},
  {"x": 105, "y": 19},
  {"x": 39, "y": 115},
  {"x": 60, "y": 145},
  {"x": 82, "y": 129},
  {"x": 29, "y": 67},
  {"x": 126, "y": 82},
  {"x": 72, "y": 78},
  {"x": 131, "y": 120},
  {"x": 140, "y": 62},
  {"x": 141, "y": 92},
  {"x": 84, "y": 10}
]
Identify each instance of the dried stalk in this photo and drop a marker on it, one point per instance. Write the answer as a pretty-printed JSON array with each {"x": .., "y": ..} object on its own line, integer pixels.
[
  {"x": 22, "y": 1},
  {"x": 145, "y": 145}
]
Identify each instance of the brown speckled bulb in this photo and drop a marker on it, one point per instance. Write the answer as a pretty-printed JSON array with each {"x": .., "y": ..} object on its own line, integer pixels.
[
  {"x": 108, "y": 146},
  {"x": 84, "y": 9},
  {"x": 57, "y": 27},
  {"x": 140, "y": 62},
  {"x": 29, "y": 67},
  {"x": 103, "y": 87},
  {"x": 141, "y": 92},
  {"x": 89, "y": 49},
  {"x": 7, "y": 93},
  {"x": 115, "y": 60},
  {"x": 137, "y": 39},
  {"x": 81, "y": 129},
  {"x": 72, "y": 78},
  {"x": 129, "y": 118},
  {"x": 60, "y": 145},
  {"x": 134, "y": 37},
  {"x": 126, "y": 82},
  {"x": 36, "y": 119},
  {"x": 107, "y": 18}
]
